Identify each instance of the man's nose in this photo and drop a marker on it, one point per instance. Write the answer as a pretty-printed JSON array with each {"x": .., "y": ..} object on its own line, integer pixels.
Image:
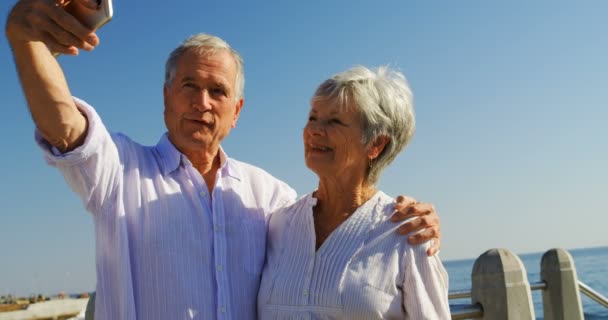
[{"x": 201, "y": 100}]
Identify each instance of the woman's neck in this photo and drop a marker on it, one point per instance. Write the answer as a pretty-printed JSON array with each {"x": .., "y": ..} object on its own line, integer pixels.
[
  {"x": 336, "y": 202},
  {"x": 338, "y": 199}
]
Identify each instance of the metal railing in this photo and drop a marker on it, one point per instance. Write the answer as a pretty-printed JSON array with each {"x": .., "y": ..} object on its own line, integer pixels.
[
  {"x": 594, "y": 295},
  {"x": 473, "y": 311},
  {"x": 466, "y": 312}
]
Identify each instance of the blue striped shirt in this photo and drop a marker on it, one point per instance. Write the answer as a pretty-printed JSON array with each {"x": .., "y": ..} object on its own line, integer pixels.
[
  {"x": 165, "y": 247},
  {"x": 363, "y": 270}
]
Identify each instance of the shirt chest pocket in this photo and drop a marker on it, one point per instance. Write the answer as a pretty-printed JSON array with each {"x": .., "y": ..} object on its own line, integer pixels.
[
  {"x": 169, "y": 227},
  {"x": 246, "y": 234},
  {"x": 371, "y": 292},
  {"x": 368, "y": 302}
]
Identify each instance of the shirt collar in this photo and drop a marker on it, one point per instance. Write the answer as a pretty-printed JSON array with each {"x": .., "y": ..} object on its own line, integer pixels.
[
  {"x": 228, "y": 166},
  {"x": 171, "y": 159}
]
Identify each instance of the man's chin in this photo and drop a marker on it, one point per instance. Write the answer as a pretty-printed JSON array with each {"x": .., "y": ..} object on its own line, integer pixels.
[
  {"x": 198, "y": 144},
  {"x": 192, "y": 144}
]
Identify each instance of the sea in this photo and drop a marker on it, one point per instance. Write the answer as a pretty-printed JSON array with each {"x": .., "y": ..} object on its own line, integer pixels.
[{"x": 591, "y": 267}]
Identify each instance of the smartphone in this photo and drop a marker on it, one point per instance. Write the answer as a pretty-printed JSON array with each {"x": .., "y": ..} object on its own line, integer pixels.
[{"x": 91, "y": 13}]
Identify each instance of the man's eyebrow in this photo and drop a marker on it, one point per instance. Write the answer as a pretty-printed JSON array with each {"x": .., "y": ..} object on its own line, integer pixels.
[
  {"x": 224, "y": 86},
  {"x": 216, "y": 83},
  {"x": 187, "y": 78},
  {"x": 220, "y": 84}
]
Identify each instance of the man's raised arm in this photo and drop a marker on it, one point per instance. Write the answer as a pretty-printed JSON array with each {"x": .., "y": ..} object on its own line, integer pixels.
[{"x": 35, "y": 29}]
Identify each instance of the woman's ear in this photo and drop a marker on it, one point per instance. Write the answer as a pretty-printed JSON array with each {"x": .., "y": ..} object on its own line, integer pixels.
[{"x": 378, "y": 146}]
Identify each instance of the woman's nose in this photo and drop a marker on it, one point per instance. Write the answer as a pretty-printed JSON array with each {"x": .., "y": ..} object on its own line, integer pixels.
[{"x": 315, "y": 128}]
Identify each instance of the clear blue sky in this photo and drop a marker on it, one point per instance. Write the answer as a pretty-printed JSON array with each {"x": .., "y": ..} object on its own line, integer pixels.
[{"x": 511, "y": 100}]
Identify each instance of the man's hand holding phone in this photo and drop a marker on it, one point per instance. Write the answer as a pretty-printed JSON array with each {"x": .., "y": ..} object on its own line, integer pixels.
[
  {"x": 49, "y": 22},
  {"x": 91, "y": 13}
]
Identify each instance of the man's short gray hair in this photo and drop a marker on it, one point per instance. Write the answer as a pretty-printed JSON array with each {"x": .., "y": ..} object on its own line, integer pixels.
[
  {"x": 206, "y": 44},
  {"x": 385, "y": 102}
]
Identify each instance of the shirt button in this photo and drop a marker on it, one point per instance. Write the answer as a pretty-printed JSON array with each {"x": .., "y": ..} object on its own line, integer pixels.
[
  {"x": 203, "y": 193},
  {"x": 220, "y": 267},
  {"x": 216, "y": 228},
  {"x": 223, "y": 309},
  {"x": 306, "y": 293}
]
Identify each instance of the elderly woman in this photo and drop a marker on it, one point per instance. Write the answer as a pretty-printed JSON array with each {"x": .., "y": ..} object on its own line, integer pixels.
[{"x": 334, "y": 254}]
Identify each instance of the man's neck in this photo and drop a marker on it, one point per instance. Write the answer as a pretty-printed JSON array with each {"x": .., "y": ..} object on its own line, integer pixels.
[{"x": 207, "y": 164}]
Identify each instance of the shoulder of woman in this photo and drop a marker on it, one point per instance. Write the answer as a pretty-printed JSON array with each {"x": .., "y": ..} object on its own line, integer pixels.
[{"x": 290, "y": 210}]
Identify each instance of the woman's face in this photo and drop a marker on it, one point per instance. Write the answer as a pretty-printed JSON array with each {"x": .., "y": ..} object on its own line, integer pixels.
[{"x": 332, "y": 140}]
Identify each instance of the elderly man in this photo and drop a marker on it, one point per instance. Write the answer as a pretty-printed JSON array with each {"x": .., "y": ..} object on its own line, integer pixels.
[{"x": 180, "y": 227}]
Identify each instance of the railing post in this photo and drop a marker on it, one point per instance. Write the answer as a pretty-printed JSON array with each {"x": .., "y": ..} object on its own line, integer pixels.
[
  {"x": 89, "y": 314},
  {"x": 500, "y": 285},
  {"x": 561, "y": 299}
]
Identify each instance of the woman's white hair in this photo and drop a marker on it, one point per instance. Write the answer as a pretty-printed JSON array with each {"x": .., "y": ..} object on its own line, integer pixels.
[
  {"x": 385, "y": 102},
  {"x": 206, "y": 44}
]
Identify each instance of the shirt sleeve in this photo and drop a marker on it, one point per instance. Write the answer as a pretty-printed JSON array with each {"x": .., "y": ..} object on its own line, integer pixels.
[
  {"x": 92, "y": 169},
  {"x": 285, "y": 196},
  {"x": 276, "y": 193},
  {"x": 425, "y": 285}
]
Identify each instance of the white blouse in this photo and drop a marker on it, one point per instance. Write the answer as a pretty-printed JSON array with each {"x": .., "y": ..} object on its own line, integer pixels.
[{"x": 363, "y": 270}]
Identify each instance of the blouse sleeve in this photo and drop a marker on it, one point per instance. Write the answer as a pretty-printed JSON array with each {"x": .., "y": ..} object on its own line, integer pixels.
[{"x": 425, "y": 285}]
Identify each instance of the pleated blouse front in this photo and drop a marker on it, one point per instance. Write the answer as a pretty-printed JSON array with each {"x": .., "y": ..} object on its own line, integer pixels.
[{"x": 363, "y": 270}]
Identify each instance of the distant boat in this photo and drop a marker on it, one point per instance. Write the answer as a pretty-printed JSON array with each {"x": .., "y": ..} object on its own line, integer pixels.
[
  {"x": 12, "y": 307},
  {"x": 60, "y": 308},
  {"x": 80, "y": 316}
]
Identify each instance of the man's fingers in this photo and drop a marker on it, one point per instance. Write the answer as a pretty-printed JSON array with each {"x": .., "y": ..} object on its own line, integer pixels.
[
  {"x": 435, "y": 246},
  {"x": 58, "y": 48},
  {"x": 422, "y": 236},
  {"x": 47, "y": 21},
  {"x": 423, "y": 223},
  {"x": 419, "y": 223},
  {"x": 427, "y": 214},
  {"x": 62, "y": 3},
  {"x": 54, "y": 35},
  {"x": 421, "y": 208},
  {"x": 413, "y": 209},
  {"x": 410, "y": 226},
  {"x": 70, "y": 29},
  {"x": 68, "y": 39},
  {"x": 405, "y": 200}
]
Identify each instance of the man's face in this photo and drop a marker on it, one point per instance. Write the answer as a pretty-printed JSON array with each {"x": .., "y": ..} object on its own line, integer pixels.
[{"x": 200, "y": 104}]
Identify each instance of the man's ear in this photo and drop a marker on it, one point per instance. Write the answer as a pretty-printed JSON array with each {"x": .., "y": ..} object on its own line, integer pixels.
[
  {"x": 378, "y": 146},
  {"x": 237, "y": 111},
  {"x": 165, "y": 93}
]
